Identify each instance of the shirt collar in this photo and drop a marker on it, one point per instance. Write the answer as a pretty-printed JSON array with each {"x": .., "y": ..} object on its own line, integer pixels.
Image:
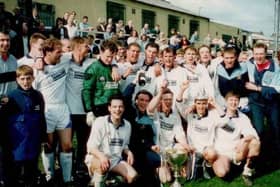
[
  {"x": 196, "y": 116},
  {"x": 236, "y": 115},
  {"x": 28, "y": 56},
  {"x": 110, "y": 121}
]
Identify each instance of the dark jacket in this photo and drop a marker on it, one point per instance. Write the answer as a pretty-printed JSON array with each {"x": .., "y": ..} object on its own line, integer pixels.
[{"x": 25, "y": 123}]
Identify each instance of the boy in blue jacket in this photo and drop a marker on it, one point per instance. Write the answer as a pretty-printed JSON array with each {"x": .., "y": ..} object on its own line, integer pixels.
[{"x": 25, "y": 128}]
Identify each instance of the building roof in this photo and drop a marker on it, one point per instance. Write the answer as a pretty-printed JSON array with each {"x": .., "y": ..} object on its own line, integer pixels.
[{"x": 167, "y": 5}]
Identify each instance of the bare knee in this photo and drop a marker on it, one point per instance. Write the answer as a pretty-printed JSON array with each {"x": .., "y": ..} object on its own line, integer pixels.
[
  {"x": 254, "y": 148},
  {"x": 66, "y": 147},
  {"x": 131, "y": 177},
  {"x": 210, "y": 154},
  {"x": 221, "y": 166},
  {"x": 221, "y": 171}
]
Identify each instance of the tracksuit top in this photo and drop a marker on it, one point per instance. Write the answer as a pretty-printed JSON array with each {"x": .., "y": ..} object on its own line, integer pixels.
[{"x": 25, "y": 123}]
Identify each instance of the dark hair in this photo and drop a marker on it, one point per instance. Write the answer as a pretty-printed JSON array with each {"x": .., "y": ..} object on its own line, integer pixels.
[
  {"x": 58, "y": 20},
  {"x": 260, "y": 45},
  {"x": 167, "y": 91},
  {"x": 230, "y": 50},
  {"x": 152, "y": 45},
  {"x": 115, "y": 97},
  {"x": 110, "y": 45},
  {"x": 50, "y": 44},
  {"x": 144, "y": 92},
  {"x": 169, "y": 50}
]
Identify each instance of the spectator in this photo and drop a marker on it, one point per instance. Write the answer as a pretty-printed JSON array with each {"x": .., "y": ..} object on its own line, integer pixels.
[
  {"x": 108, "y": 33},
  {"x": 184, "y": 43},
  {"x": 72, "y": 29},
  {"x": 121, "y": 54},
  {"x": 84, "y": 27},
  {"x": 65, "y": 17},
  {"x": 145, "y": 30},
  {"x": 194, "y": 38},
  {"x": 93, "y": 48},
  {"x": 59, "y": 31},
  {"x": 113, "y": 25},
  {"x": 25, "y": 136},
  {"x": 174, "y": 41},
  {"x": 144, "y": 40},
  {"x": 21, "y": 41},
  {"x": 207, "y": 40},
  {"x": 120, "y": 26},
  {"x": 133, "y": 37},
  {"x": 4, "y": 15},
  {"x": 129, "y": 27},
  {"x": 162, "y": 41},
  {"x": 35, "y": 20},
  {"x": 101, "y": 27}
]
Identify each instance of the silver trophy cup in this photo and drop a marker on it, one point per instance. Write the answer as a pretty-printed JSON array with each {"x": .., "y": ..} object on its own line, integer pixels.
[{"x": 176, "y": 159}]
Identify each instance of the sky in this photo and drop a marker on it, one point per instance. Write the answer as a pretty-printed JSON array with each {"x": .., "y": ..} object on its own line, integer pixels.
[{"x": 251, "y": 15}]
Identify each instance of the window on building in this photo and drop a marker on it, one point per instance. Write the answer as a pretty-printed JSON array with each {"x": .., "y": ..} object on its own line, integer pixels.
[
  {"x": 173, "y": 23},
  {"x": 226, "y": 37},
  {"x": 148, "y": 17},
  {"x": 46, "y": 13},
  {"x": 115, "y": 11},
  {"x": 194, "y": 26}
]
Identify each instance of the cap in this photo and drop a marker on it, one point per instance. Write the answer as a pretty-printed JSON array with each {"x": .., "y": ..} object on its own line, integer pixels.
[{"x": 201, "y": 95}]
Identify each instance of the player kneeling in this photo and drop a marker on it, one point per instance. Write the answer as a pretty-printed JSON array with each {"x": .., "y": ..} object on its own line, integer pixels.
[
  {"x": 108, "y": 140},
  {"x": 235, "y": 141}
]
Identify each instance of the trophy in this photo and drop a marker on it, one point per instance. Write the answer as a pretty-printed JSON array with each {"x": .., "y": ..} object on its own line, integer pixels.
[{"x": 176, "y": 158}]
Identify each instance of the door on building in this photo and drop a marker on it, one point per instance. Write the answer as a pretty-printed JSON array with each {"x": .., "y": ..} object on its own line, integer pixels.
[
  {"x": 194, "y": 26},
  {"x": 173, "y": 23},
  {"x": 115, "y": 11},
  {"x": 148, "y": 17}
]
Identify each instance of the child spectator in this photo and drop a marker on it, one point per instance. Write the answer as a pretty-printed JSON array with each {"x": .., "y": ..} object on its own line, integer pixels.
[{"x": 26, "y": 128}]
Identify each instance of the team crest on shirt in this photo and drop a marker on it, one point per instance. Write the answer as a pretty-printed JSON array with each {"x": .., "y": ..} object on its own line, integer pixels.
[
  {"x": 200, "y": 128},
  {"x": 102, "y": 79},
  {"x": 192, "y": 78},
  {"x": 37, "y": 107},
  {"x": 116, "y": 142},
  {"x": 228, "y": 128},
  {"x": 172, "y": 82}
]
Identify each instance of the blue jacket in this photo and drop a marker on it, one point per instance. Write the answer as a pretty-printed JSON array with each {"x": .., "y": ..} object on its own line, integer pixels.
[
  {"x": 267, "y": 79},
  {"x": 233, "y": 79},
  {"x": 26, "y": 124}
]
